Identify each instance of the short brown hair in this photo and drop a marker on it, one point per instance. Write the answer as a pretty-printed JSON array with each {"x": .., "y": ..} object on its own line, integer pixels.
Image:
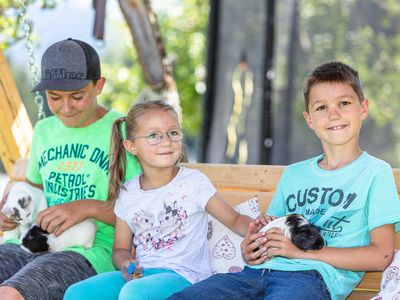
[{"x": 333, "y": 71}]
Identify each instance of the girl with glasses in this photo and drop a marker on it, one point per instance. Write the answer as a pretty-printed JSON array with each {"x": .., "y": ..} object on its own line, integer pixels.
[{"x": 161, "y": 227}]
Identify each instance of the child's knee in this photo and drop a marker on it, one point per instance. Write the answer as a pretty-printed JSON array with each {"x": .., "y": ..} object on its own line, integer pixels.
[
  {"x": 133, "y": 290},
  {"x": 74, "y": 292},
  {"x": 9, "y": 293}
]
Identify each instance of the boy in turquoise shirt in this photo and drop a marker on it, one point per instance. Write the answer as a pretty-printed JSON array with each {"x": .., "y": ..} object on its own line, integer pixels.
[
  {"x": 69, "y": 160},
  {"x": 348, "y": 193}
]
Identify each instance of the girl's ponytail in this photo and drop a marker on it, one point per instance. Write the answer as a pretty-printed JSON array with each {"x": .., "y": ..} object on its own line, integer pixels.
[{"x": 117, "y": 167}]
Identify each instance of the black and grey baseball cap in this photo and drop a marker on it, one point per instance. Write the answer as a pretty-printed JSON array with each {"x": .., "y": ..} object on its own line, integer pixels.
[{"x": 68, "y": 65}]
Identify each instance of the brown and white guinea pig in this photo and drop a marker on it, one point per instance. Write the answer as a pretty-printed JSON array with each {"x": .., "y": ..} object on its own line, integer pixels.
[
  {"x": 296, "y": 227},
  {"x": 37, "y": 240}
]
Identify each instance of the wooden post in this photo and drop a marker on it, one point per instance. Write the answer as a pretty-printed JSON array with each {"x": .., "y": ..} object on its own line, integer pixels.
[
  {"x": 15, "y": 126},
  {"x": 99, "y": 18},
  {"x": 157, "y": 69}
]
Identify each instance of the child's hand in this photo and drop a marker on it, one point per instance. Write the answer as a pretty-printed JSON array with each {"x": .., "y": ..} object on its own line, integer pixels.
[
  {"x": 263, "y": 220},
  {"x": 252, "y": 246},
  {"x": 58, "y": 218},
  {"x": 131, "y": 270},
  {"x": 254, "y": 250},
  {"x": 124, "y": 270},
  {"x": 279, "y": 245},
  {"x": 6, "y": 223}
]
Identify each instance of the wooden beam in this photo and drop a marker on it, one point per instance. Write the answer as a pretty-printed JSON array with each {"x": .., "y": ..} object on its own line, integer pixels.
[
  {"x": 147, "y": 40},
  {"x": 99, "y": 18},
  {"x": 15, "y": 126},
  {"x": 157, "y": 69}
]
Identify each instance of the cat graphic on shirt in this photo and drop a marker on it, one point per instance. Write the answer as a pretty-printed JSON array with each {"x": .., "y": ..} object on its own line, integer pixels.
[
  {"x": 144, "y": 221},
  {"x": 171, "y": 221},
  {"x": 163, "y": 231}
]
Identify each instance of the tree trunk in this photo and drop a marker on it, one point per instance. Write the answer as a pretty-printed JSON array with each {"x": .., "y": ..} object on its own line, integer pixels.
[{"x": 157, "y": 69}]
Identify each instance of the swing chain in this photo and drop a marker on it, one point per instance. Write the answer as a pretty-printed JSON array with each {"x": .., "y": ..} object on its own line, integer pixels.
[{"x": 31, "y": 56}]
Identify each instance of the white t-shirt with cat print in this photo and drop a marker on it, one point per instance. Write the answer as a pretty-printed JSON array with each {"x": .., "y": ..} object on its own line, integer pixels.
[
  {"x": 170, "y": 223},
  {"x": 390, "y": 284}
]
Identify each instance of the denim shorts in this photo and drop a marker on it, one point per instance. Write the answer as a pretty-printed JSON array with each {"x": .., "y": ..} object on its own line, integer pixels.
[{"x": 257, "y": 284}]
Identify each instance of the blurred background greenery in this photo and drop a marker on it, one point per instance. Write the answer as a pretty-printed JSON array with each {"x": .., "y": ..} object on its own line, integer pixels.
[
  {"x": 184, "y": 35},
  {"x": 362, "y": 33}
]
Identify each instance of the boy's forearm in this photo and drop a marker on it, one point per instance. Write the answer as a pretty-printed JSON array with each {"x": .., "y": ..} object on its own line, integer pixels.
[
  {"x": 99, "y": 210},
  {"x": 366, "y": 258},
  {"x": 374, "y": 257}
]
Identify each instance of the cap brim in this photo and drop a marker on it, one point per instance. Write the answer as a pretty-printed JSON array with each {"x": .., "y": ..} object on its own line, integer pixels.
[{"x": 61, "y": 85}]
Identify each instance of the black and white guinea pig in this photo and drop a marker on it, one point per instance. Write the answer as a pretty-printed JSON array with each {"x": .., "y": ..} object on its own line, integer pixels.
[
  {"x": 303, "y": 234},
  {"x": 37, "y": 240}
]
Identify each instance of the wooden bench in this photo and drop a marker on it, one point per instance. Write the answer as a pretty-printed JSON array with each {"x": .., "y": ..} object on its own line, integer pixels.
[{"x": 238, "y": 183}]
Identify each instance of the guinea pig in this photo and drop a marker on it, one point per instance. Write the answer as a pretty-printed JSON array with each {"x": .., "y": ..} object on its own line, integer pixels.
[
  {"x": 37, "y": 240},
  {"x": 296, "y": 227}
]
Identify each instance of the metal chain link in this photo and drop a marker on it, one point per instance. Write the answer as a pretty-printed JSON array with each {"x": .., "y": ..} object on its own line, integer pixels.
[{"x": 31, "y": 56}]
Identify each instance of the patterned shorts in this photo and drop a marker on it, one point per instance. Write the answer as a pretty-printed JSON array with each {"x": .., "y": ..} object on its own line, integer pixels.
[{"x": 41, "y": 277}]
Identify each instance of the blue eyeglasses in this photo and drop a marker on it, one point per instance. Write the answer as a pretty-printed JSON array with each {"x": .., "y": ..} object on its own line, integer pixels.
[{"x": 155, "y": 138}]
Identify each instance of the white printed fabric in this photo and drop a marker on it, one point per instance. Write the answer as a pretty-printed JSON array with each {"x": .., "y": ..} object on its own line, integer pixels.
[
  {"x": 390, "y": 284},
  {"x": 224, "y": 244}
]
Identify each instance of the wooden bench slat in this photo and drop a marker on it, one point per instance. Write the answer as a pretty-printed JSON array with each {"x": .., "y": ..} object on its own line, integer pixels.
[
  {"x": 362, "y": 295},
  {"x": 371, "y": 281},
  {"x": 245, "y": 177}
]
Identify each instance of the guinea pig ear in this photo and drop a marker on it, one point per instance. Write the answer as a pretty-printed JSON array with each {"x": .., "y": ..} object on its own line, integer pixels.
[{"x": 24, "y": 201}]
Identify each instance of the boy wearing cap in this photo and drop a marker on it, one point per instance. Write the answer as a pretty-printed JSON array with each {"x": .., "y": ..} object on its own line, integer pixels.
[{"x": 69, "y": 161}]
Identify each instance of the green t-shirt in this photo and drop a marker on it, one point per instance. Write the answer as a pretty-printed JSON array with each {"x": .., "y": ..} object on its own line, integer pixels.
[
  {"x": 346, "y": 204},
  {"x": 72, "y": 164}
]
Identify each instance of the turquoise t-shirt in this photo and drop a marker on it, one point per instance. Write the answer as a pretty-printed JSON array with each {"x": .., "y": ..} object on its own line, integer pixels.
[
  {"x": 346, "y": 204},
  {"x": 72, "y": 164}
]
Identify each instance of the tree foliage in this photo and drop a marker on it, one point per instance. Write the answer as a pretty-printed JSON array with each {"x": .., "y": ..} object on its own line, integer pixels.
[
  {"x": 183, "y": 30},
  {"x": 185, "y": 39},
  {"x": 364, "y": 34},
  {"x": 11, "y": 19}
]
